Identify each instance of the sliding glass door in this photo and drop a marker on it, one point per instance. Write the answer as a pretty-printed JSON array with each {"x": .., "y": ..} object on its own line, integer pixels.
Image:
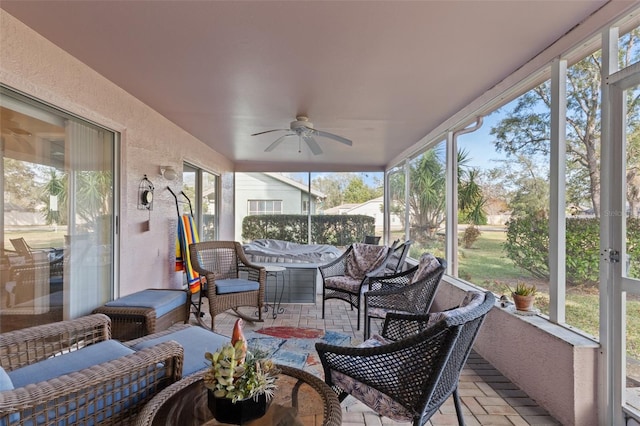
[{"x": 57, "y": 260}]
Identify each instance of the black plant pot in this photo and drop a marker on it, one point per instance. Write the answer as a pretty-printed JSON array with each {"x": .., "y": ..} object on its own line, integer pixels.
[{"x": 226, "y": 411}]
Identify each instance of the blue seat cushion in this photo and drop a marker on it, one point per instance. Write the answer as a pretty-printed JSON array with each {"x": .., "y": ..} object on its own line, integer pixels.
[
  {"x": 5, "y": 380},
  {"x": 68, "y": 363},
  {"x": 195, "y": 341},
  {"x": 235, "y": 285},
  {"x": 162, "y": 301}
]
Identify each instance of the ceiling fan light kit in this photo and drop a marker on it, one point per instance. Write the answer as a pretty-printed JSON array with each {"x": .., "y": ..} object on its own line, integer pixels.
[{"x": 305, "y": 131}]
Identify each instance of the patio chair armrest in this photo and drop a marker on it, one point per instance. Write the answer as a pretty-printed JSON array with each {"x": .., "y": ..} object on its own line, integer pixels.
[
  {"x": 399, "y": 326},
  {"x": 391, "y": 296},
  {"x": 30, "y": 345},
  {"x": 119, "y": 387},
  {"x": 254, "y": 272},
  {"x": 392, "y": 281}
]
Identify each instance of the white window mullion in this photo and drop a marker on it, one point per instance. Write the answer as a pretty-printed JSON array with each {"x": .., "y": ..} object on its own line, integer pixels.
[
  {"x": 407, "y": 190},
  {"x": 609, "y": 404},
  {"x": 557, "y": 218},
  {"x": 452, "y": 205}
]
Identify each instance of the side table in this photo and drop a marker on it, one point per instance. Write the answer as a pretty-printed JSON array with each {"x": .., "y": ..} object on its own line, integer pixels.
[{"x": 277, "y": 272}]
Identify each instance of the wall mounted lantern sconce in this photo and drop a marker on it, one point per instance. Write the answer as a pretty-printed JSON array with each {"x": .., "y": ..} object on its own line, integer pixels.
[
  {"x": 168, "y": 173},
  {"x": 145, "y": 194}
]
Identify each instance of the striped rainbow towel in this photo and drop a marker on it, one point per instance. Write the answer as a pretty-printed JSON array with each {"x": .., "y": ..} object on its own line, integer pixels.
[{"x": 187, "y": 234}]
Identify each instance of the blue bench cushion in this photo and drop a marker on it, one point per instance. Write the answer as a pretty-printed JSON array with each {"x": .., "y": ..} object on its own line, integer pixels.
[
  {"x": 5, "y": 380},
  {"x": 195, "y": 341},
  {"x": 235, "y": 285},
  {"x": 162, "y": 301},
  {"x": 69, "y": 363}
]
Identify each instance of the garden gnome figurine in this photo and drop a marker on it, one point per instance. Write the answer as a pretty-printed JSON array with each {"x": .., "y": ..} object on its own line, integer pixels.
[{"x": 238, "y": 336}]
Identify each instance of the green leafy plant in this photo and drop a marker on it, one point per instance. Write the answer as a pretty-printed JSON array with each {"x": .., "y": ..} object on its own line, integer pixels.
[
  {"x": 470, "y": 236},
  {"x": 523, "y": 289},
  {"x": 237, "y": 374}
]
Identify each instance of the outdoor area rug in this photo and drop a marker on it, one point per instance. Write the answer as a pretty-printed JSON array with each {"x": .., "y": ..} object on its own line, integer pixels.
[{"x": 294, "y": 346}]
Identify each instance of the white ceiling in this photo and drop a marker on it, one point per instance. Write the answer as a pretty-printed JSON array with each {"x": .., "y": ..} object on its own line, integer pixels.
[{"x": 381, "y": 73}]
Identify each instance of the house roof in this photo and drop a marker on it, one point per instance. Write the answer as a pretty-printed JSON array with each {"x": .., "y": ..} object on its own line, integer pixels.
[{"x": 296, "y": 184}]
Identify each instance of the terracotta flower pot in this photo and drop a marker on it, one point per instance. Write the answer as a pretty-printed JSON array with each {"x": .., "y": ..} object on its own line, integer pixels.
[{"x": 523, "y": 303}]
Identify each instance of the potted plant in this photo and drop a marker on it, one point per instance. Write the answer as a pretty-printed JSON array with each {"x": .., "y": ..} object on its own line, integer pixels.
[
  {"x": 240, "y": 383},
  {"x": 523, "y": 296}
]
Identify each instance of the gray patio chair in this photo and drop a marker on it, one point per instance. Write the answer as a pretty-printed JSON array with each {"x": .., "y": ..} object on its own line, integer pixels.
[
  {"x": 409, "y": 371},
  {"x": 409, "y": 292},
  {"x": 345, "y": 277}
]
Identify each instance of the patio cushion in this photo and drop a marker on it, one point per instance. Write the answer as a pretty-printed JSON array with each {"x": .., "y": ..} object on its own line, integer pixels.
[
  {"x": 195, "y": 341},
  {"x": 381, "y": 403},
  {"x": 373, "y": 342},
  {"x": 162, "y": 301},
  {"x": 68, "y": 363},
  {"x": 427, "y": 264},
  {"x": 5, "y": 381},
  {"x": 343, "y": 282},
  {"x": 381, "y": 313},
  {"x": 364, "y": 258},
  {"x": 471, "y": 300},
  {"x": 236, "y": 285}
]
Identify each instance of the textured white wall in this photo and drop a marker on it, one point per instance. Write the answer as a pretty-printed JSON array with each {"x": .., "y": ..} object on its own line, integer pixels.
[
  {"x": 31, "y": 64},
  {"x": 554, "y": 366}
]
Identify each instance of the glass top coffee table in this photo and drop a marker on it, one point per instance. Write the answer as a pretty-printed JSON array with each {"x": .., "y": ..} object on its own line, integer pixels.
[{"x": 301, "y": 399}]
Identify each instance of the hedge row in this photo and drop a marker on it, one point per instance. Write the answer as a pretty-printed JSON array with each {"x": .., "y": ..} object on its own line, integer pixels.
[
  {"x": 527, "y": 245},
  {"x": 337, "y": 230}
]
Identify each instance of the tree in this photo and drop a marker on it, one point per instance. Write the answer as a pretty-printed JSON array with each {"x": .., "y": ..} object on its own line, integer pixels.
[
  {"x": 526, "y": 182},
  {"x": 18, "y": 183},
  {"x": 341, "y": 188},
  {"x": 427, "y": 193},
  {"x": 525, "y": 129},
  {"x": 358, "y": 192}
]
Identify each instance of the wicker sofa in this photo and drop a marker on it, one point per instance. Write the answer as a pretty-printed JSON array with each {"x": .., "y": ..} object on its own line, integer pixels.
[{"x": 72, "y": 372}]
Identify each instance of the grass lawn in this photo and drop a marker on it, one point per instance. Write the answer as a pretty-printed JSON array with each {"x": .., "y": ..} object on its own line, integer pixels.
[
  {"x": 37, "y": 237},
  {"x": 486, "y": 261},
  {"x": 486, "y": 265}
]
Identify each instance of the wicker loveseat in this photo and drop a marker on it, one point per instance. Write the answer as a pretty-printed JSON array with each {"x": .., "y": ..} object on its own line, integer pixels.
[{"x": 72, "y": 372}]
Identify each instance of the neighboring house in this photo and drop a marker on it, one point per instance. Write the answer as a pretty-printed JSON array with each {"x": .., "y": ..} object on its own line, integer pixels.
[
  {"x": 271, "y": 193},
  {"x": 373, "y": 208}
]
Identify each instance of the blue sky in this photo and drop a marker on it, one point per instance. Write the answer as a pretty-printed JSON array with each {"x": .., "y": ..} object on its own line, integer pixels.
[{"x": 479, "y": 144}]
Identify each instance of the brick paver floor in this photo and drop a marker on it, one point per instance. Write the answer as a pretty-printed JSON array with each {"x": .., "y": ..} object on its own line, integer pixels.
[{"x": 488, "y": 398}]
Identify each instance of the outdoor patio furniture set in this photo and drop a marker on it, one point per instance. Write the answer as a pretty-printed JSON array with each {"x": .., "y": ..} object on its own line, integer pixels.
[{"x": 105, "y": 367}]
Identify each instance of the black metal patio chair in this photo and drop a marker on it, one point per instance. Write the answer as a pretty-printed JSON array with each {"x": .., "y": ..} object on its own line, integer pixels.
[
  {"x": 409, "y": 371},
  {"x": 408, "y": 292}
]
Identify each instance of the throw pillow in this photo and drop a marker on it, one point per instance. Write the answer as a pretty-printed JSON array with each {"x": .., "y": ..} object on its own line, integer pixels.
[{"x": 427, "y": 264}]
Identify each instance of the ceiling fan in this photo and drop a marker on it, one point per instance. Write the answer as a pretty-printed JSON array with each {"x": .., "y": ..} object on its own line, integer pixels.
[{"x": 303, "y": 128}]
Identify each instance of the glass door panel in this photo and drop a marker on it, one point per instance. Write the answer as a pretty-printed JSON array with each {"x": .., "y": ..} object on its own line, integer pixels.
[
  {"x": 631, "y": 253},
  {"x": 57, "y": 260}
]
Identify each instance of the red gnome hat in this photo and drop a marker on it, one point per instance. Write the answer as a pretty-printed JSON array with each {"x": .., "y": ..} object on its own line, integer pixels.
[{"x": 238, "y": 336}]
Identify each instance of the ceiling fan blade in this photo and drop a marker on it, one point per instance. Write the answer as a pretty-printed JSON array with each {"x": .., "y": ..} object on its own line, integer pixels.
[
  {"x": 334, "y": 137},
  {"x": 269, "y": 131},
  {"x": 313, "y": 145},
  {"x": 276, "y": 143}
]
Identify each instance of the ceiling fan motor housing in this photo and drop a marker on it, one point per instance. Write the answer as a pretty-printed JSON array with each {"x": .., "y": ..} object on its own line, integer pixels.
[{"x": 302, "y": 123}]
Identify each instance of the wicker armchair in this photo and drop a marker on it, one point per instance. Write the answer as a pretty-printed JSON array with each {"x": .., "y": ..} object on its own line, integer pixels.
[
  {"x": 111, "y": 392},
  {"x": 231, "y": 280},
  {"x": 344, "y": 277},
  {"x": 413, "y": 368},
  {"x": 409, "y": 292}
]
